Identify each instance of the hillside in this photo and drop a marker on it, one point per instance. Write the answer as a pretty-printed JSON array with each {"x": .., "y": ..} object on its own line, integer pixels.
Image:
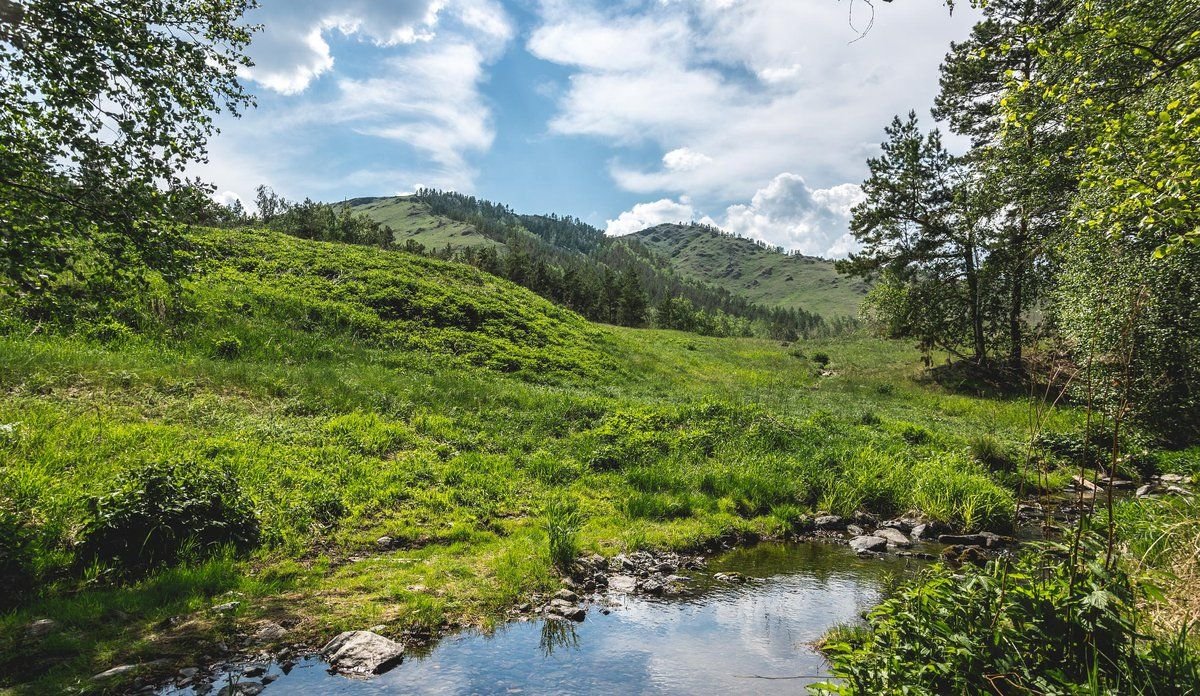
[
  {"x": 761, "y": 275},
  {"x": 412, "y": 219}
]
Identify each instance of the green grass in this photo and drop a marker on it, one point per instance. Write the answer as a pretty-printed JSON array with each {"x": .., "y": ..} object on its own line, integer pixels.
[
  {"x": 375, "y": 393},
  {"x": 761, "y": 275},
  {"x": 411, "y": 219}
]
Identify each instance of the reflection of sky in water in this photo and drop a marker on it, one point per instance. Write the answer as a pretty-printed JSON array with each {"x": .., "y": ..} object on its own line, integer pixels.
[{"x": 717, "y": 642}]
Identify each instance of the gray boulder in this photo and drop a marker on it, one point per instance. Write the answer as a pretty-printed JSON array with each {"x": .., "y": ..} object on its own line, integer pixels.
[
  {"x": 829, "y": 522},
  {"x": 894, "y": 537},
  {"x": 362, "y": 652},
  {"x": 622, "y": 583},
  {"x": 867, "y": 544},
  {"x": 114, "y": 672}
]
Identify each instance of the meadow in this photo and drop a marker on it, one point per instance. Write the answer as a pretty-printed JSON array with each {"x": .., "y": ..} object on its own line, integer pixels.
[{"x": 333, "y": 395}]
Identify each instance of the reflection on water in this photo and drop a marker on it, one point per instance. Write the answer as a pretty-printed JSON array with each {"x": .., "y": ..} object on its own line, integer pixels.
[{"x": 754, "y": 637}]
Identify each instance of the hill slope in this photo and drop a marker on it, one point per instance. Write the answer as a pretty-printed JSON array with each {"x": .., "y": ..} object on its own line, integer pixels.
[
  {"x": 412, "y": 219},
  {"x": 761, "y": 275}
]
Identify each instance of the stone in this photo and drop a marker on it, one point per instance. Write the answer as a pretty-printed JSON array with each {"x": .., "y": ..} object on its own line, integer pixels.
[
  {"x": 270, "y": 632},
  {"x": 736, "y": 578},
  {"x": 919, "y": 531},
  {"x": 566, "y": 610},
  {"x": 867, "y": 544},
  {"x": 828, "y": 522},
  {"x": 1173, "y": 478},
  {"x": 894, "y": 537},
  {"x": 622, "y": 583},
  {"x": 1178, "y": 490},
  {"x": 189, "y": 672},
  {"x": 114, "y": 672},
  {"x": 855, "y": 530},
  {"x": 566, "y": 595},
  {"x": 653, "y": 587},
  {"x": 255, "y": 671},
  {"x": 384, "y": 542},
  {"x": 899, "y": 525},
  {"x": 362, "y": 652},
  {"x": 1145, "y": 490},
  {"x": 41, "y": 627},
  {"x": 227, "y": 607}
]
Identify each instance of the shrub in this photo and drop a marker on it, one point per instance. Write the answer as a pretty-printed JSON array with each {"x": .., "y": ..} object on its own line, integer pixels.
[
  {"x": 108, "y": 331},
  {"x": 821, "y": 358},
  {"x": 1015, "y": 626},
  {"x": 563, "y": 522},
  {"x": 914, "y": 434},
  {"x": 227, "y": 347},
  {"x": 992, "y": 453},
  {"x": 160, "y": 513}
]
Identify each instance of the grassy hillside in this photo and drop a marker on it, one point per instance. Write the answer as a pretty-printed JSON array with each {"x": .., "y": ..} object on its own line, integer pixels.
[
  {"x": 411, "y": 219},
  {"x": 761, "y": 275},
  {"x": 341, "y": 394}
]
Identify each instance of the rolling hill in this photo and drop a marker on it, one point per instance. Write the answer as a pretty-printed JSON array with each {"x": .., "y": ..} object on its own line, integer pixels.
[
  {"x": 761, "y": 275},
  {"x": 693, "y": 253}
]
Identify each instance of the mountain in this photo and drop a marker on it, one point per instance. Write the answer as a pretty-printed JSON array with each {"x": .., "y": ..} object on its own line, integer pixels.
[
  {"x": 761, "y": 274},
  {"x": 575, "y": 264}
]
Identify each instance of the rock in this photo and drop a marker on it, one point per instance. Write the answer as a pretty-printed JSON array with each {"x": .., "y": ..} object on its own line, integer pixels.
[
  {"x": 270, "y": 632},
  {"x": 622, "y": 583},
  {"x": 362, "y": 652},
  {"x": 1173, "y": 478},
  {"x": 894, "y": 537},
  {"x": 41, "y": 627},
  {"x": 384, "y": 542},
  {"x": 114, "y": 672},
  {"x": 901, "y": 526},
  {"x": 653, "y": 587},
  {"x": 855, "y": 530},
  {"x": 1178, "y": 490},
  {"x": 566, "y": 610},
  {"x": 255, "y": 671},
  {"x": 1081, "y": 482},
  {"x": 1146, "y": 489},
  {"x": 189, "y": 672},
  {"x": 919, "y": 531},
  {"x": 867, "y": 544},
  {"x": 566, "y": 595},
  {"x": 735, "y": 578},
  {"x": 826, "y": 522},
  {"x": 227, "y": 607},
  {"x": 963, "y": 539},
  {"x": 665, "y": 568}
]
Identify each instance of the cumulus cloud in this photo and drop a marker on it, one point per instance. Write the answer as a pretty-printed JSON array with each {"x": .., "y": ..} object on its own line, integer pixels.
[
  {"x": 786, "y": 212},
  {"x": 758, "y": 87},
  {"x": 685, "y": 159},
  {"x": 645, "y": 215}
]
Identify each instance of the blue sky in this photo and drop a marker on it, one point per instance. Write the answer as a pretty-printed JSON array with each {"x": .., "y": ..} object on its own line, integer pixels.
[{"x": 755, "y": 115}]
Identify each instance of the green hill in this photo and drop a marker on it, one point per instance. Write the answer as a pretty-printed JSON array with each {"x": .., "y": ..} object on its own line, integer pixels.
[
  {"x": 412, "y": 219},
  {"x": 759, "y": 274}
]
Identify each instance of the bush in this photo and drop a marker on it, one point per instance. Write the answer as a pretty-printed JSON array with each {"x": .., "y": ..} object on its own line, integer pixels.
[
  {"x": 914, "y": 434},
  {"x": 161, "y": 513},
  {"x": 108, "y": 331},
  {"x": 227, "y": 347},
  {"x": 821, "y": 359},
  {"x": 1015, "y": 626},
  {"x": 562, "y": 532},
  {"x": 992, "y": 453}
]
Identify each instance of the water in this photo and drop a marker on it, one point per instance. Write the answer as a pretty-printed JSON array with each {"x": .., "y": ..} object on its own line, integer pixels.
[{"x": 754, "y": 637}]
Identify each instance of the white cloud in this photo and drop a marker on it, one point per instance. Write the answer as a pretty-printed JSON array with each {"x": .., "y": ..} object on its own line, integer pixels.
[
  {"x": 645, "y": 215},
  {"x": 685, "y": 160},
  {"x": 786, "y": 212},
  {"x": 758, "y": 87}
]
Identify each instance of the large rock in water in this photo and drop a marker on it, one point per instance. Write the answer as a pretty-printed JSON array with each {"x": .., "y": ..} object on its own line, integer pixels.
[
  {"x": 865, "y": 544},
  {"x": 362, "y": 652},
  {"x": 894, "y": 537}
]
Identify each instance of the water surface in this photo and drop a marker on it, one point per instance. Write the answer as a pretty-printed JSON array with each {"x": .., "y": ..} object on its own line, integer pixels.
[{"x": 726, "y": 638}]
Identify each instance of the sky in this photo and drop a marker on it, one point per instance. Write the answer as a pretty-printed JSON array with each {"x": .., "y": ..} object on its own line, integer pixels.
[{"x": 754, "y": 115}]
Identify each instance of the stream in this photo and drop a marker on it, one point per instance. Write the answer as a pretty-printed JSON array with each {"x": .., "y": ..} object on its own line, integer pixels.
[{"x": 754, "y": 636}]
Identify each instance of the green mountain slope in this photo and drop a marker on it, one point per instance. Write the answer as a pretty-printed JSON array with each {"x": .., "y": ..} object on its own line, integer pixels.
[
  {"x": 759, "y": 274},
  {"x": 412, "y": 219}
]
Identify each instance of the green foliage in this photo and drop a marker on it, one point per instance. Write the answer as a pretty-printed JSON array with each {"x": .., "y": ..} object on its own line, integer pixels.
[
  {"x": 161, "y": 513},
  {"x": 992, "y": 453},
  {"x": 820, "y": 358},
  {"x": 1033, "y": 623},
  {"x": 86, "y": 191},
  {"x": 227, "y": 347},
  {"x": 18, "y": 549},
  {"x": 563, "y": 522}
]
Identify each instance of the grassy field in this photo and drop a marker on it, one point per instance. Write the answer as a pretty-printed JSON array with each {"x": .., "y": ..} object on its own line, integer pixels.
[
  {"x": 761, "y": 275},
  {"x": 352, "y": 394},
  {"x": 413, "y": 220}
]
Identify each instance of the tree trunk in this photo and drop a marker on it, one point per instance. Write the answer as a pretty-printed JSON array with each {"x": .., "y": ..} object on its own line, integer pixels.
[
  {"x": 973, "y": 292},
  {"x": 1016, "y": 302}
]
